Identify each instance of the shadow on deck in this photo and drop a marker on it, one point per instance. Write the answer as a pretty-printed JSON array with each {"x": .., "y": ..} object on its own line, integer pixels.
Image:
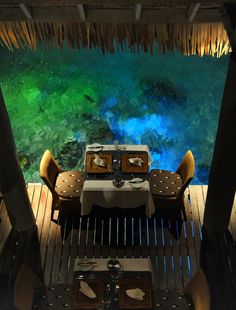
[{"x": 175, "y": 248}]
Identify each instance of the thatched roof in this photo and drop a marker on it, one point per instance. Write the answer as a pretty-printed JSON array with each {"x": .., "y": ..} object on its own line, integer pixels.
[{"x": 188, "y": 26}]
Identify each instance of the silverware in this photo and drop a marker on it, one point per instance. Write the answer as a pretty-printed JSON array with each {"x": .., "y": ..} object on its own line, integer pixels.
[
  {"x": 117, "y": 287},
  {"x": 107, "y": 297},
  {"x": 87, "y": 263}
]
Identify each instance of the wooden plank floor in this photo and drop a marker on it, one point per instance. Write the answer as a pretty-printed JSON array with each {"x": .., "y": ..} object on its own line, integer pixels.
[{"x": 51, "y": 253}]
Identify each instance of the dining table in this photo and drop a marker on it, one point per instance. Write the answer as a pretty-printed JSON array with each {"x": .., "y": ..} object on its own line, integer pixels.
[
  {"x": 110, "y": 278},
  {"x": 99, "y": 187}
]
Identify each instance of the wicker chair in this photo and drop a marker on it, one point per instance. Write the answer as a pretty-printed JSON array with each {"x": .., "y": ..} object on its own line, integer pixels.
[
  {"x": 29, "y": 292},
  {"x": 24, "y": 287},
  {"x": 168, "y": 187},
  {"x": 198, "y": 290},
  {"x": 195, "y": 295},
  {"x": 65, "y": 186}
]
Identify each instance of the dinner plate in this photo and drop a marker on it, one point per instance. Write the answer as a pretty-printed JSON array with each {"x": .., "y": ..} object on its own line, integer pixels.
[
  {"x": 85, "y": 265},
  {"x": 136, "y": 183},
  {"x": 95, "y": 147}
]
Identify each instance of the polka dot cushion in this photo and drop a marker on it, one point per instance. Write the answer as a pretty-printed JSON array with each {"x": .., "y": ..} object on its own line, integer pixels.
[
  {"x": 166, "y": 300},
  {"x": 69, "y": 184},
  {"x": 165, "y": 183},
  {"x": 56, "y": 297}
]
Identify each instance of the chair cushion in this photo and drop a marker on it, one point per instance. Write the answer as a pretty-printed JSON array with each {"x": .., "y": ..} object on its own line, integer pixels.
[
  {"x": 69, "y": 184},
  {"x": 166, "y": 300},
  {"x": 165, "y": 183},
  {"x": 57, "y": 296}
]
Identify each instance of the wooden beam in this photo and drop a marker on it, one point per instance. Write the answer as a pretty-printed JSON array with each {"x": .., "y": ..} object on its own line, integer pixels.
[
  {"x": 138, "y": 9},
  {"x": 26, "y": 10},
  {"x": 81, "y": 12},
  {"x": 192, "y": 11},
  {"x": 110, "y": 2},
  {"x": 110, "y": 15},
  {"x": 229, "y": 20}
]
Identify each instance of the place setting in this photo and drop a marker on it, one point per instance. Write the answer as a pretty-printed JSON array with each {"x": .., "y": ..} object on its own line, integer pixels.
[{"x": 98, "y": 163}]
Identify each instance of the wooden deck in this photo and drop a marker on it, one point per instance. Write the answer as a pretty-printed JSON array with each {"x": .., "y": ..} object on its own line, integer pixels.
[{"x": 50, "y": 252}]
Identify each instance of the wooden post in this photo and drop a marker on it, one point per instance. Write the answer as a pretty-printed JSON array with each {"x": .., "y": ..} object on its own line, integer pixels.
[
  {"x": 12, "y": 183},
  {"x": 222, "y": 180}
]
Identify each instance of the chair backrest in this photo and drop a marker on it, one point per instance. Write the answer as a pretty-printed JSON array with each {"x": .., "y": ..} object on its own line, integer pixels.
[
  {"x": 186, "y": 169},
  {"x": 198, "y": 289},
  {"x": 49, "y": 169},
  {"x": 24, "y": 287}
]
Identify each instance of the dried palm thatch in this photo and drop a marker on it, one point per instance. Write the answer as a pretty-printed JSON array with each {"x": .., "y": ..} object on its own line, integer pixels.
[{"x": 190, "y": 39}]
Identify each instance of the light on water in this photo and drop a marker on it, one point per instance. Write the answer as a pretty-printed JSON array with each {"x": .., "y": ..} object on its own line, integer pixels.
[{"x": 62, "y": 100}]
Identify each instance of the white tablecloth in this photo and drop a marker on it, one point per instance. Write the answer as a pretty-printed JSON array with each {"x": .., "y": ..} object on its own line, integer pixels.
[
  {"x": 128, "y": 264},
  {"x": 104, "y": 194}
]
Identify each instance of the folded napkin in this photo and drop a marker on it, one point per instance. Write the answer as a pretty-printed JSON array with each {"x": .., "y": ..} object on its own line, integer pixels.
[
  {"x": 137, "y": 161},
  {"x": 86, "y": 290},
  {"x": 98, "y": 161},
  {"x": 135, "y": 293}
]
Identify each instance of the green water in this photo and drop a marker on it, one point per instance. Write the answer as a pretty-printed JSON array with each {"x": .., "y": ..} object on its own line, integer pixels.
[{"x": 62, "y": 100}]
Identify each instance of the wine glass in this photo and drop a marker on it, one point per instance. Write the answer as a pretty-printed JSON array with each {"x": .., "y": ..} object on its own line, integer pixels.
[
  {"x": 116, "y": 145},
  {"x": 115, "y": 269}
]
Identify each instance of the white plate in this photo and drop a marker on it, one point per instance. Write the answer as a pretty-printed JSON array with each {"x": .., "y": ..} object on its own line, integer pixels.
[
  {"x": 139, "y": 183},
  {"x": 83, "y": 266},
  {"x": 95, "y": 147}
]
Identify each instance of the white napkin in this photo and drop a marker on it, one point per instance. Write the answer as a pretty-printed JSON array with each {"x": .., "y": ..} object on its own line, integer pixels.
[
  {"x": 98, "y": 161},
  {"x": 86, "y": 290},
  {"x": 137, "y": 161},
  {"x": 135, "y": 293}
]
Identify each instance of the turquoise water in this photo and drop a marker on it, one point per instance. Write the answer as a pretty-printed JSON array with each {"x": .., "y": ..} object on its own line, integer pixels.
[{"x": 62, "y": 100}]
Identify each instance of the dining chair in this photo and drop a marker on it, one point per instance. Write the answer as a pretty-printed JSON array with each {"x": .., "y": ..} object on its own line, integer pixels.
[
  {"x": 198, "y": 290},
  {"x": 65, "y": 186},
  {"x": 29, "y": 292},
  {"x": 194, "y": 296},
  {"x": 24, "y": 287},
  {"x": 168, "y": 187}
]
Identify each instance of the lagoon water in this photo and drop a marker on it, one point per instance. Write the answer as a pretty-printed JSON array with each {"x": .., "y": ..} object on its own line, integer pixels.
[{"x": 62, "y": 100}]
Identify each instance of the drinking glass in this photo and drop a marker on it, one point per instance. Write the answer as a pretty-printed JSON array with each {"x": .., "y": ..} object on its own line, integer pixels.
[{"x": 116, "y": 145}]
